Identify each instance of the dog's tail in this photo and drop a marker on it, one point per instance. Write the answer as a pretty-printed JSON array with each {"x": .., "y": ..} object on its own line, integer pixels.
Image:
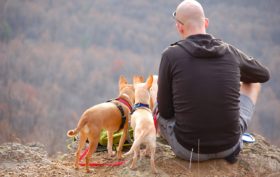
[
  {"x": 81, "y": 124},
  {"x": 136, "y": 143}
]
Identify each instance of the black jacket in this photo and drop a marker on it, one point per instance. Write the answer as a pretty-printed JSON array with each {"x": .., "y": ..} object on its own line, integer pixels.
[{"x": 198, "y": 85}]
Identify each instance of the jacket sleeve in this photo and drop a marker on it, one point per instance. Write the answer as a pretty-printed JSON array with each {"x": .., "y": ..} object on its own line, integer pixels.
[
  {"x": 251, "y": 70},
  {"x": 164, "y": 96}
]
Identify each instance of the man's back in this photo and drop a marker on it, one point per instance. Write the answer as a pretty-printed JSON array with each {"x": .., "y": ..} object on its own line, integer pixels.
[{"x": 199, "y": 79}]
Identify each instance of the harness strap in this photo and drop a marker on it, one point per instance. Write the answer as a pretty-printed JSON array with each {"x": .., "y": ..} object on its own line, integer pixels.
[
  {"x": 121, "y": 111},
  {"x": 122, "y": 114}
]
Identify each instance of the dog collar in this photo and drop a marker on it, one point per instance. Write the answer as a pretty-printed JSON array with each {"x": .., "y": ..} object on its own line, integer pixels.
[
  {"x": 125, "y": 102},
  {"x": 139, "y": 105}
]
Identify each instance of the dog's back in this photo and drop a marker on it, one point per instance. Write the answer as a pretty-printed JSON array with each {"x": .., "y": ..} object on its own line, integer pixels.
[
  {"x": 143, "y": 125},
  {"x": 104, "y": 115}
]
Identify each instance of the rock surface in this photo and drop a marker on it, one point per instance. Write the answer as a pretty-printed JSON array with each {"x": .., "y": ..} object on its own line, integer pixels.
[{"x": 256, "y": 159}]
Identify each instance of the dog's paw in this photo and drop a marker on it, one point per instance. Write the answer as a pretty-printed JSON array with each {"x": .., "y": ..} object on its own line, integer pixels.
[
  {"x": 111, "y": 154},
  {"x": 145, "y": 153},
  {"x": 76, "y": 167},
  {"x": 120, "y": 155},
  {"x": 132, "y": 167},
  {"x": 155, "y": 171}
]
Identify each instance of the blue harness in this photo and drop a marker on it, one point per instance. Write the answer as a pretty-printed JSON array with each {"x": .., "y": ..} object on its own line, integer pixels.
[{"x": 139, "y": 105}]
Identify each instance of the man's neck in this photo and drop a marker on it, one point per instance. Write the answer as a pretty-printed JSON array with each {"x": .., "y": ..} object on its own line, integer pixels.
[{"x": 194, "y": 32}]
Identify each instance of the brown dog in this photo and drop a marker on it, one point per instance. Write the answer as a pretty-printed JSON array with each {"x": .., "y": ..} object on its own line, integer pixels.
[
  {"x": 108, "y": 116},
  {"x": 142, "y": 122}
]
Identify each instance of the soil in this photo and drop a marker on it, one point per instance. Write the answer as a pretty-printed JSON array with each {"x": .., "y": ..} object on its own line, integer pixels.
[{"x": 256, "y": 159}]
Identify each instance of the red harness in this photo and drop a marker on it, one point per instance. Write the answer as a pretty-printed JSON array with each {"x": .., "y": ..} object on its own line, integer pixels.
[
  {"x": 125, "y": 102},
  {"x": 120, "y": 107}
]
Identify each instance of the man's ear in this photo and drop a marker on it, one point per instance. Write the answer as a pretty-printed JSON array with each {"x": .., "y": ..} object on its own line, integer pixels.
[
  {"x": 180, "y": 28},
  {"x": 122, "y": 82},
  {"x": 206, "y": 23}
]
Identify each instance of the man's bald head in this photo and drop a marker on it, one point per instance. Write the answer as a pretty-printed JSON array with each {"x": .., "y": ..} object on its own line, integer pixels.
[{"x": 191, "y": 14}]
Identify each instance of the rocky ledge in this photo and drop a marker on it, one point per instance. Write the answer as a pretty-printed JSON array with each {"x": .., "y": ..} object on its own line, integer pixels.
[{"x": 256, "y": 159}]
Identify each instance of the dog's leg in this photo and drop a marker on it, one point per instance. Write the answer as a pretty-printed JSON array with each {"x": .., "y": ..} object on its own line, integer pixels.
[
  {"x": 110, "y": 144},
  {"x": 135, "y": 156},
  {"x": 147, "y": 151},
  {"x": 82, "y": 142},
  {"x": 152, "y": 149},
  {"x": 121, "y": 142},
  {"x": 93, "y": 139}
]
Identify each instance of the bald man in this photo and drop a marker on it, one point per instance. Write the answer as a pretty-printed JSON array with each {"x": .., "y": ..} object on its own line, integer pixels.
[{"x": 207, "y": 90}]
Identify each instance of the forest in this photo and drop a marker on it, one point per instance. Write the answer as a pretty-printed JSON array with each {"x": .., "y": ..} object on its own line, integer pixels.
[{"x": 58, "y": 58}]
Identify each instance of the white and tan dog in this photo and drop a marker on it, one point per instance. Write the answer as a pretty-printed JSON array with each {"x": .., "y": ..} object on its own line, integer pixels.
[
  {"x": 111, "y": 116},
  {"x": 142, "y": 122}
]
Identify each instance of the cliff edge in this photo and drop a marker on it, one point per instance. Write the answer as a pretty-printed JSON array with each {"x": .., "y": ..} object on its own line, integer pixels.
[{"x": 256, "y": 159}]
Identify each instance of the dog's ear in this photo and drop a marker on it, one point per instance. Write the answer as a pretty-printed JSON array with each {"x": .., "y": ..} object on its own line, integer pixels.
[
  {"x": 141, "y": 79},
  {"x": 149, "y": 82},
  {"x": 155, "y": 78},
  {"x": 122, "y": 82},
  {"x": 134, "y": 80},
  {"x": 138, "y": 79}
]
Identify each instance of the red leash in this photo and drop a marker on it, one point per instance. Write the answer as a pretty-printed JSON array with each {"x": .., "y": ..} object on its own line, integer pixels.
[{"x": 99, "y": 164}]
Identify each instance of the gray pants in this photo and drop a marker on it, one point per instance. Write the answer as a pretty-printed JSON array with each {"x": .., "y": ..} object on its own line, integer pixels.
[{"x": 166, "y": 127}]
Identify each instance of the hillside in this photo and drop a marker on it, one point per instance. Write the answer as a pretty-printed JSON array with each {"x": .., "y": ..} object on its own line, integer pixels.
[
  {"x": 256, "y": 159},
  {"x": 58, "y": 58}
]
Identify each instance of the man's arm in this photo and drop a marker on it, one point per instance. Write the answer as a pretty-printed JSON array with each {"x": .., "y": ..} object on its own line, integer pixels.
[
  {"x": 164, "y": 96},
  {"x": 250, "y": 69}
]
